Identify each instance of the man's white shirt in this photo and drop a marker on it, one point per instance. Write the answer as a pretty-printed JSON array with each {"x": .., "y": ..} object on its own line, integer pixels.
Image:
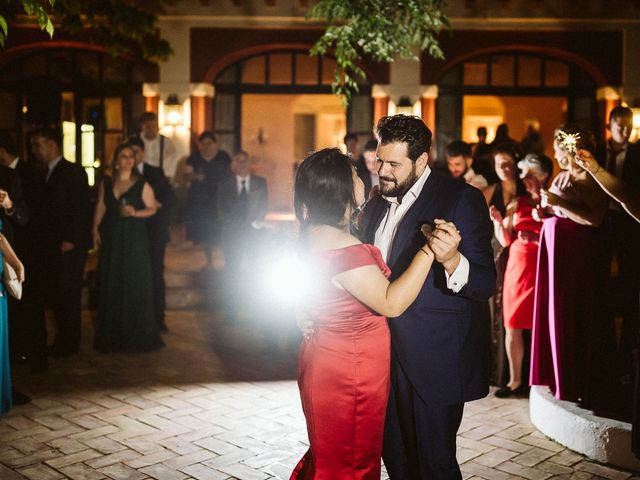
[
  {"x": 387, "y": 230},
  {"x": 152, "y": 154}
]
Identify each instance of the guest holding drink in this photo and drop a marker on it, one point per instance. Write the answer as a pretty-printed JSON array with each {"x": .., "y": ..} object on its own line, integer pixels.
[{"x": 126, "y": 321}]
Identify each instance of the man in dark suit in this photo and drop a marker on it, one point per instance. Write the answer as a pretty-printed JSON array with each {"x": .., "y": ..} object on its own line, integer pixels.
[
  {"x": 62, "y": 233},
  {"x": 15, "y": 216},
  {"x": 622, "y": 159},
  {"x": 242, "y": 204},
  {"x": 440, "y": 345},
  {"x": 157, "y": 226}
]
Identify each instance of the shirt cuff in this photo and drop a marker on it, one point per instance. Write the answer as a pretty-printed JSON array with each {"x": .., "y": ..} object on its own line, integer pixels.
[{"x": 460, "y": 276}]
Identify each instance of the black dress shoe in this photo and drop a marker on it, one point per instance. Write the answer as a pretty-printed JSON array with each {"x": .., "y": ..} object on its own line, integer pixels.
[
  {"x": 19, "y": 398},
  {"x": 506, "y": 392}
]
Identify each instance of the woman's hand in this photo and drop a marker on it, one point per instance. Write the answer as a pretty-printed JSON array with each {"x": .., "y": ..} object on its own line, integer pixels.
[
  {"x": 495, "y": 214},
  {"x": 128, "y": 211},
  {"x": 19, "y": 268},
  {"x": 305, "y": 324},
  {"x": 548, "y": 199},
  {"x": 585, "y": 160},
  {"x": 97, "y": 240},
  {"x": 538, "y": 213}
]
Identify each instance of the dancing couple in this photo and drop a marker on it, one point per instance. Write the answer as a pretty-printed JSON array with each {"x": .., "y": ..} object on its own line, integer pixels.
[{"x": 396, "y": 343}]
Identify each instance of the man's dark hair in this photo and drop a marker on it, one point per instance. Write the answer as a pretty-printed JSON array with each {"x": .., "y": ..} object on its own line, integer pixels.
[
  {"x": 620, "y": 112},
  {"x": 458, "y": 148},
  {"x": 405, "y": 128},
  {"x": 324, "y": 188},
  {"x": 370, "y": 146},
  {"x": 8, "y": 143},
  {"x": 350, "y": 136},
  {"x": 481, "y": 132},
  {"x": 48, "y": 133},
  {"x": 135, "y": 141},
  {"x": 207, "y": 134},
  {"x": 148, "y": 117}
]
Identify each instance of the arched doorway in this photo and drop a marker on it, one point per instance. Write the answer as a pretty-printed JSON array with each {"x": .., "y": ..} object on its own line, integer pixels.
[
  {"x": 84, "y": 90},
  {"x": 279, "y": 106},
  {"x": 515, "y": 88}
]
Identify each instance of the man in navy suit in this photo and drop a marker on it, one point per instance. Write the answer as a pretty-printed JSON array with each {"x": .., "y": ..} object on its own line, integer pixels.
[
  {"x": 440, "y": 345},
  {"x": 157, "y": 226},
  {"x": 242, "y": 204}
]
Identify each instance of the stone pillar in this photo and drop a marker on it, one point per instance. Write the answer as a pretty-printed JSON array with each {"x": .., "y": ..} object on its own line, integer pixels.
[
  {"x": 405, "y": 82},
  {"x": 428, "y": 104},
  {"x": 380, "y": 102},
  {"x": 201, "y": 111}
]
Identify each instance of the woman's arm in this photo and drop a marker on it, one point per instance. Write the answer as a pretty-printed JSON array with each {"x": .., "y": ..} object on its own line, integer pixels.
[
  {"x": 590, "y": 212},
  {"x": 390, "y": 299},
  {"x": 11, "y": 258},
  {"x": 98, "y": 215},
  {"x": 503, "y": 227},
  {"x": 150, "y": 203}
]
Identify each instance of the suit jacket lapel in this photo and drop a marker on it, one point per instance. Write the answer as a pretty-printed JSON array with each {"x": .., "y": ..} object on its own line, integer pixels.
[{"x": 409, "y": 224}]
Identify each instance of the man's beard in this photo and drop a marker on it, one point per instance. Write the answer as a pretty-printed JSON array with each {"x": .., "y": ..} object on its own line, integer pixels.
[{"x": 399, "y": 189}]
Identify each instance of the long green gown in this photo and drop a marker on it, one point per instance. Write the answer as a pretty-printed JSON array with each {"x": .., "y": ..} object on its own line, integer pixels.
[{"x": 126, "y": 322}]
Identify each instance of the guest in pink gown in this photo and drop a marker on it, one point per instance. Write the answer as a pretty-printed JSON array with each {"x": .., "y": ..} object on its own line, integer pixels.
[{"x": 565, "y": 327}]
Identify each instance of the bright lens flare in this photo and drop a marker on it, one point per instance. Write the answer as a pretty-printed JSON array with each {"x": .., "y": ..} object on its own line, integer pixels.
[{"x": 289, "y": 282}]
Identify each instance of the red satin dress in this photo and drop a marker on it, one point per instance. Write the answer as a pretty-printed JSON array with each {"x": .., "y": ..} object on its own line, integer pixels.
[
  {"x": 344, "y": 375},
  {"x": 518, "y": 294}
]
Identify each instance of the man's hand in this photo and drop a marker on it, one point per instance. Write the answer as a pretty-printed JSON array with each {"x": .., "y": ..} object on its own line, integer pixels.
[
  {"x": 5, "y": 200},
  {"x": 66, "y": 247},
  {"x": 548, "y": 199},
  {"x": 444, "y": 241}
]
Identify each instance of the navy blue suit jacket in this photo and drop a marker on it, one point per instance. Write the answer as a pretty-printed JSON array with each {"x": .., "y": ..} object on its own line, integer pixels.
[{"x": 442, "y": 340}]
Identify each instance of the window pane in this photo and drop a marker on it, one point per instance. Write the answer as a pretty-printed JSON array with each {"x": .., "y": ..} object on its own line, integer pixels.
[
  {"x": 113, "y": 113},
  {"x": 475, "y": 73},
  {"x": 61, "y": 66},
  {"x": 253, "y": 70},
  {"x": 280, "y": 69},
  {"x": 228, "y": 76},
  {"x": 224, "y": 111},
  {"x": 115, "y": 71},
  {"x": 8, "y": 111},
  {"x": 502, "y": 70},
  {"x": 529, "y": 71},
  {"x": 556, "y": 74},
  {"x": 451, "y": 78},
  {"x": 306, "y": 69},
  {"x": 328, "y": 66},
  {"x": 361, "y": 115},
  {"x": 88, "y": 66}
]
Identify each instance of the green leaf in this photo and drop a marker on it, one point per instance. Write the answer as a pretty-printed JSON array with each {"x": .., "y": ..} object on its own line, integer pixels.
[{"x": 4, "y": 31}]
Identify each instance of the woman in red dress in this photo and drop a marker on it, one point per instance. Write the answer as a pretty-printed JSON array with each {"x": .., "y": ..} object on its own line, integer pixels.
[
  {"x": 519, "y": 231},
  {"x": 345, "y": 355}
]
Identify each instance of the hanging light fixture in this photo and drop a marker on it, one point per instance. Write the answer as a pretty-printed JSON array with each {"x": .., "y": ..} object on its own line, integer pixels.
[
  {"x": 173, "y": 110},
  {"x": 404, "y": 106}
]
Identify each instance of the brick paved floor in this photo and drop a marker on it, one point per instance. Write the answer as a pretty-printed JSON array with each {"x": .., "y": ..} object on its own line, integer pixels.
[{"x": 220, "y": 402}]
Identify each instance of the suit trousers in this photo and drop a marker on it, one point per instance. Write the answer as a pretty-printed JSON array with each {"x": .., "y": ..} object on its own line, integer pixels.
[
  {"x": 59, "y": 286},
  {"x": 156, "y": 252},
  {"x": 419, "y": 438}
]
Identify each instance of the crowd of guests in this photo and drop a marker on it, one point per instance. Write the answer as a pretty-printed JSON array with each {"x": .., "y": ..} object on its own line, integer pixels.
[
  {"x": 47, "y": 230},
  {"x": 554, "y": 242}
]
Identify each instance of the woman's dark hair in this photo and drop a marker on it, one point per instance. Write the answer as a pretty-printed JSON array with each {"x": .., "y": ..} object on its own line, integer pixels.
[
  {"x": 135, "y": 173},
  {"x": 506, "y": 149},
  {"x": 323, "y": 188},
  {"x": 585, "y": 141},
  {"x": 405, "y": 128}
]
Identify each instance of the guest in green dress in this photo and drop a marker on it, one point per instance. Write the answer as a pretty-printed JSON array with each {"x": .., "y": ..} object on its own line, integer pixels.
[
  {"x": 10, "y": 257},
  {"x": 126, "y": 321}
]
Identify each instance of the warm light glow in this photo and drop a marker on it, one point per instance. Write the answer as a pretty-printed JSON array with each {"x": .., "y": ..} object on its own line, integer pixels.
[
  {"x": 636, "y": 118},
  {"x": 288, "y": 281},
  {"x": 174, "y": 117}
]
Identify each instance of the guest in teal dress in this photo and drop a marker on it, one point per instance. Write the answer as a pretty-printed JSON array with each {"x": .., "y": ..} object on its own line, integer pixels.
[
  {"x": 10, "y": 257},
  {"x": 126, "y": 322}
]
